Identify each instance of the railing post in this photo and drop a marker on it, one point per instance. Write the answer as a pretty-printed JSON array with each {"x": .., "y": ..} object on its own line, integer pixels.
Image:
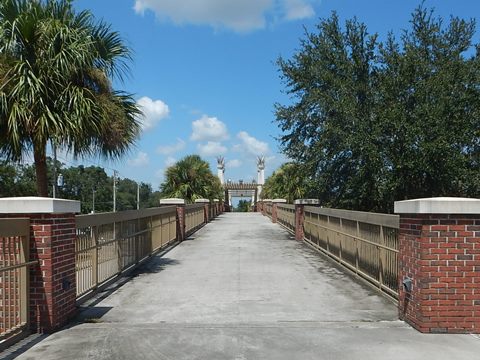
[
  {"x": 217, "y": 206},
  {"x": 206, "y": 209},
  {"x": 300, "y": 216},
  {"x": 180, "y": 218},
  {"x": 439, "y": 275},
  {"x": 275, "y": 208},
  {"x": 259, "y": 206},
  {"x": 95, "y": 256},
  {"x": 264, "y": 206},
  {"x": 52, "y": 244}
]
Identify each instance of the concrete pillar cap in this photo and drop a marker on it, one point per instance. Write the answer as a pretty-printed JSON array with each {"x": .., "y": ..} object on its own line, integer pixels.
[
  {"x": 280, "y": 201},
  {"x": 307, "y": 202},
  {"x": 202, "y": 201},
  {"x": 267, "y": 200},
  {"x": 38, "y": 205},
  {"x": 438, "y": 205},
  {"x": 216, "y": 200},
  {"x": 172, "y": 201}
]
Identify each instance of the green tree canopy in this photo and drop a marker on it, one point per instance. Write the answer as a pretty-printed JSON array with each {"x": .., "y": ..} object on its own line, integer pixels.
[
  {"x": 373, "y": 122},
  {"x": 191, "y": 179},
  {"x": 287, "y": 182},
  {"x": 244, "y": 206},
  {"x": 56, "y": 67}
]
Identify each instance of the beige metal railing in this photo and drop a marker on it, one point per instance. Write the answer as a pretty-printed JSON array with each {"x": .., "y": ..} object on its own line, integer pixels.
[
  {"x": 366, "y": 243},
  {"x": 110, "y": 243},
  {"x": 286, "y": 216},
  {"x": 194, "y": 218},
  {"x": 14, "y": 280}
]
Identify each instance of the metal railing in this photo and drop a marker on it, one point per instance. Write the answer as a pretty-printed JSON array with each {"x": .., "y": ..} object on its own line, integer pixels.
[
  {"x": 366, "y": 243},
  {"x": 109, "y": 243},
  {"x": 194, "y": 218},
  {"x": 14, "y": 279},
  {"x": 286, "y": 216}
]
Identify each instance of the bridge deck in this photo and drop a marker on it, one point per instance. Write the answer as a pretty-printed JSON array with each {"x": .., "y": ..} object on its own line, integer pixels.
[{"x": 243, "y": 289}]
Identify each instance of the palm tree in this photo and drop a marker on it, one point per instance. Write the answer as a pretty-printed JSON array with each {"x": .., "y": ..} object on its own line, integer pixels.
[
  {"x": 191, "y": 179},
  {"x": 287, "y": 182},
  {"x": 56, "y": 68}
]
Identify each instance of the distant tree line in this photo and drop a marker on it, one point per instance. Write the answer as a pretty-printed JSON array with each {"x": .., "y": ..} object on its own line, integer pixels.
[
  {"x": 372, "y": 122},
  {"x": 244, "y": 206},
  {"x": 80, "y": 183}
]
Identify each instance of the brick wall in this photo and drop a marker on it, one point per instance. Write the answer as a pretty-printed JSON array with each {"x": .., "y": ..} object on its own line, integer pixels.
[
  {"x": 181, "y": 222},
  {"x": 299, "y": 221},
  {"x": 441, "y": 253},
  {"x": 52, "y": 280}
]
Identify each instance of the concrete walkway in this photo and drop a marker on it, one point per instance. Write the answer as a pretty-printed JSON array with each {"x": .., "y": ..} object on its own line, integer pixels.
[{"x": 243, "y": 289}]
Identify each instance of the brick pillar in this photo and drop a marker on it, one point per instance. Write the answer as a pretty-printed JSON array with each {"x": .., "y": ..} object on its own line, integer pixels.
[
  {"x": 180, "y": 205},
  {"x": 300, "y": 215},
  {"x": 259, "y": 206},
  {"x": 52, "y": 292},
  {"x": 206, "y": 209},
  {"x": 439, "y": 253}
]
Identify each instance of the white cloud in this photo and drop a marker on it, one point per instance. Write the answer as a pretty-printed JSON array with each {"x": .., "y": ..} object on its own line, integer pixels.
[
  {"x": 211, "y": 148},
  {"x": 153, "y": 112},
  {"x": 171, "y": 149},
  {"x": 298, "y": 9},
  {"x": 234, "y": 163},
  {"x": 139, "y": 161},
  {"x": 169, "y": 161},
  {"x": 251, "y": 145},
  {"x": 208, "y": 129},
  {"x": 237, "y": 15}
]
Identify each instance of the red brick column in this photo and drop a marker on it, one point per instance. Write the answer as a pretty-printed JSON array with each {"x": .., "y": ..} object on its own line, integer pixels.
[
  {"x": 299, "y": 219},
  {"x": 300, "y": 215},
  {"x": 274, "y": 213},
  {"x": 52, "y": 243},
  {"x": 181, "y": 226},
  {"x": 52, "y": 282},
  {"x": 206, "y": 209},
  {"x": 439, "y": 253},
  {"x": 260, "y": 206},
  {"x": 180, "y": 205},
  {"x": 264, "y": 208}
]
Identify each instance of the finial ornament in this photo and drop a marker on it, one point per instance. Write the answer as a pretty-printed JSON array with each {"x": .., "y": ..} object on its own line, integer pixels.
[
  {"x": 261, "y": 162},
  {"x": 221, "y": 163}
]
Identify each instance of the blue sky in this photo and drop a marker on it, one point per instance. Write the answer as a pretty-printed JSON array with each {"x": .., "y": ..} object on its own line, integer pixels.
[{"x": 204, "y": 72}]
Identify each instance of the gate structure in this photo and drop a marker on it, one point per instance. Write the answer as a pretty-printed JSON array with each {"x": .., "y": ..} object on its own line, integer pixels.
[
  {"x": 251, "y": 190},
  {"x": 14, "y": 280}
]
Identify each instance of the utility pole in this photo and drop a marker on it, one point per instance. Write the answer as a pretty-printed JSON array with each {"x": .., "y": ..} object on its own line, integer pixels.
[
  {"x": 114, "y": 190},
  {"x": 93, "y": 200},
  {"x": 138, "y": 195}
]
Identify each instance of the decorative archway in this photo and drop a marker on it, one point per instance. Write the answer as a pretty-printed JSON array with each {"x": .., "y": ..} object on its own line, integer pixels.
[{"x": 242, "y": 189}]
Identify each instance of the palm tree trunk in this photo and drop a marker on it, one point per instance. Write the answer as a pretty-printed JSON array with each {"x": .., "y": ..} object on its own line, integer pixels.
[{"x": 40, "y": 158}]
